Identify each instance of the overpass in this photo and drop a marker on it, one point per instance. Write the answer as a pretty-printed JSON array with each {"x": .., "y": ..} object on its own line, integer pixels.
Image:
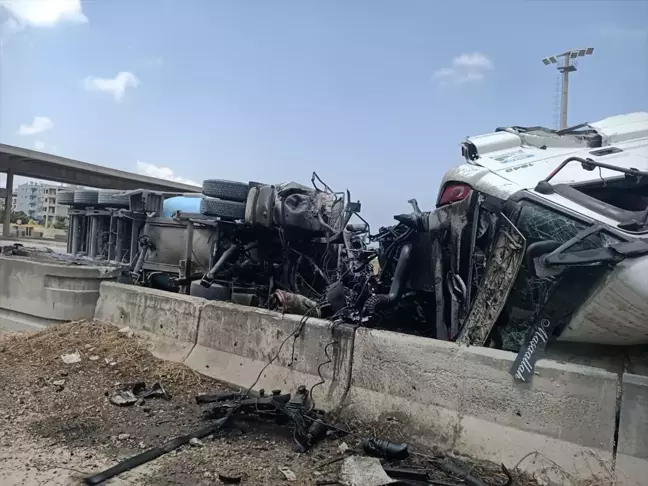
[{"x": 38, "y": 165}]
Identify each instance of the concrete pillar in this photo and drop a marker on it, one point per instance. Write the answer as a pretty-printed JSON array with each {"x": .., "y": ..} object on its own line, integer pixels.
[
  {"x": 94, "y": 227},
  {"x": 6, "y": 224},
  {"x": 76, "y": 233}
]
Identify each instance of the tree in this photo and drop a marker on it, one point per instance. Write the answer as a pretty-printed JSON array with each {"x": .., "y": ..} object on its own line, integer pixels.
[
  {"x": 19, "y": 215},
  {"x": 59, "y": 223}
]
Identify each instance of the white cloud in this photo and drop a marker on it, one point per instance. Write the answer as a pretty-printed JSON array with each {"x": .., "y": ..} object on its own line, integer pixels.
[
  {"x": 474, "y": 60},
  {"x": 165, "y": 173},
  {"x": 39, "y": 145},
  {"x": 44, "y": 13},
  {"x": 465, "y": 68},
  {"x": 39, "y": 125},
  {"x": 37, "y": 13},
  {"x": 115, "y": 86},
  {"x": 629, "y": 33}
]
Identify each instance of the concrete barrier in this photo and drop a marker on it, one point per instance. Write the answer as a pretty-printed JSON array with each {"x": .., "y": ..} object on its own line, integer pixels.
[
  {"x": 168, "y": 321},
  {"x": 34, "y": 294},
  {"x": 235, "y": 343},
  {"x": 632, "y": 449},
  {"x": 437, "y": 393},
  {"x": 464, "y": 399}
]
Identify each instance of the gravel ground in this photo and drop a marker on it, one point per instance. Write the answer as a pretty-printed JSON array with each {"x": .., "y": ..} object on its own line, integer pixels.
[{"x": 57, "y": 424}]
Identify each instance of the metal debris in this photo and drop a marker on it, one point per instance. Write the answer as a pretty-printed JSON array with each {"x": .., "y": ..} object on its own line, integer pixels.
[
  {"x": 156, "y": 452},
  {"x": 136, "y": 392}
]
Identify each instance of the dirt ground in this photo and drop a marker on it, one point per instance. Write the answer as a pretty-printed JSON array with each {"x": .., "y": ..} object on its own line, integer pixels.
[{"x": 58, "y": 426}]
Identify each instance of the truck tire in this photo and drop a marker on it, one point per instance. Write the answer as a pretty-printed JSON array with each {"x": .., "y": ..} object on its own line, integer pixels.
[
  {"x": 215, "y": 292},
  {"x": 110, "y": 199},
  {"x": 227, "y": 190},
  {"x": 65, "y": 198},
  {"x": 86, "y": 198},
  {"x": 222, "y": 209}
]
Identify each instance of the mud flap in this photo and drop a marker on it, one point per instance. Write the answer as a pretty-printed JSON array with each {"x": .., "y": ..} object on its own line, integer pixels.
[{"x": 532, "y": 350}]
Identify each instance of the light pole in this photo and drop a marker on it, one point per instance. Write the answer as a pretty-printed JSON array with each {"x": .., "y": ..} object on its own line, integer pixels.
[{"x": 565, "y": 68}]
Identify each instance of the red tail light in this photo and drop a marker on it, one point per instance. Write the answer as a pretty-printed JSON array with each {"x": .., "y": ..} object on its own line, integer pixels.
[{"x": 454, "y": 192}]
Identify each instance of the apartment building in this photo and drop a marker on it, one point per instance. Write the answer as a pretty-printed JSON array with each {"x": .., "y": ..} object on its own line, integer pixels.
[{"x": 38, "y": 201}]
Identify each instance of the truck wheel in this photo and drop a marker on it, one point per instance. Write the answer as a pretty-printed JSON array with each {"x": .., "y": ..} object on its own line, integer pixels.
[
  {"x": 85, "y": 198},
  {"x": 227, "y": 190},
  {"x": 65, "y": 198},
  {"x": 215, "y": 292},
  {"x": 109, "y": 199},
  {"x": 222, "y": 209}
]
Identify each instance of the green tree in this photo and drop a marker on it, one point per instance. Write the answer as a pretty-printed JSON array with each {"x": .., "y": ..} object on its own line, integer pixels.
[
  {"x": 19, "y": 215},
  {"x": 59, "y": 223}
]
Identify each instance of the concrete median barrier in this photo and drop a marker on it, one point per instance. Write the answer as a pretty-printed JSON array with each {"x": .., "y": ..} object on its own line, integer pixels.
[
  {"x": 632, "y": 450},
  {"x": 464, "y": 399},
  {"x": 235, "y": 343},
  {"x": 168, "y": 321},
  {"x": 436, "y": 393},
  {"x": 34, "y": 294}
]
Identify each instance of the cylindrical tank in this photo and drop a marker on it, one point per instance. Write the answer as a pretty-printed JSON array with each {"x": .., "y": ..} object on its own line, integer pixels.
[{"x": 169, "y": 238}]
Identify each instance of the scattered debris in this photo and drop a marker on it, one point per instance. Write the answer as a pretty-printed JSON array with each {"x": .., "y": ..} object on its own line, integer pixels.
[
  {"x": 58, "y": 382},
  {"x": 290, "y": 476},
  {"x": 195, "y": 442},
  {"x": 94, "y": 357},
  {"x": 343, "y": 447},
  {"x": 126, "y": 331},
  {"x": 71, "y": 358},
  {"x": 384, "y": 448},
  {"x": 156, "y": 452},
  {"x": 136, "y": 392},
  {"x": 229, "y": 478},
  {"x": 450, "y": 467},
  {"x": 363, "y": 471},
  {"x": 407, "y": 473},
  {"x": 123, "y": 436}
]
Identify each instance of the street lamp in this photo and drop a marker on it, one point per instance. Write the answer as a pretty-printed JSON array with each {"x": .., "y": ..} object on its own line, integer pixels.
[{"x": 565, "y": 68}]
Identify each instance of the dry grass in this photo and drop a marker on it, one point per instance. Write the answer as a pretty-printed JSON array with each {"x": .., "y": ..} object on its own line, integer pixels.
[{"x": 93, "y": 338}]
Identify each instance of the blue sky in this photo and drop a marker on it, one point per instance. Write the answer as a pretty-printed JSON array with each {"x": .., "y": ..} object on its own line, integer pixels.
[{"x": 374, "y": 95}]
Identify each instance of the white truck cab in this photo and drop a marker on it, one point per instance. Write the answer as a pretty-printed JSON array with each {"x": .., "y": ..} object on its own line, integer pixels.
[{"x": 579, "y": 199}]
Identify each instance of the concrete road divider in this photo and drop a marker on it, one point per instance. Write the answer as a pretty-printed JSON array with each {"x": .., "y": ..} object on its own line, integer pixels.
[
  {"x": 34, "y": 294},
  {"x": 235, "y": 343},
  {"x": 632, "y": 450},
  {"x": 434, "y": 392},
  {"x": 169, "y": 321},
  {"x": 463, "y": 398}
]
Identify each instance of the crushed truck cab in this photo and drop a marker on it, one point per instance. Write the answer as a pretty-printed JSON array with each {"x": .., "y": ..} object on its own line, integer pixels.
[{"x": 579, "y": 199}]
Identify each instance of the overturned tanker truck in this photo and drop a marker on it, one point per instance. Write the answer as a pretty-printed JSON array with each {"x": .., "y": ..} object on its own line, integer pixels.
[{"x": 540, "y": 235}]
